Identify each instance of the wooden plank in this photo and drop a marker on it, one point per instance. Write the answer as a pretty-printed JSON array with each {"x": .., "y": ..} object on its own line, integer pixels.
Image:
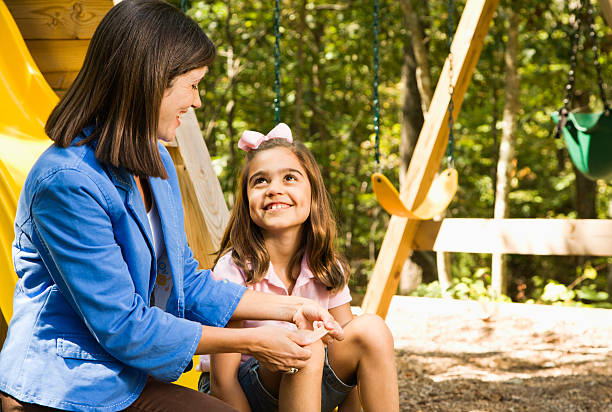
[
  {"x": 60, "y": 80},
  {"x": 581, "y": 237},
  {"x": 58, "y": 55},
  {"x": 58, "y": 19},
  {"x": 206, "y": 214},
  {"x": 428, "y": 152},
  {"x": 3, "y": 330}
]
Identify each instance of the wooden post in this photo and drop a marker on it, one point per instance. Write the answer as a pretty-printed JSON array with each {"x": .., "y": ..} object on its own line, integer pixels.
[
  {"x": 396, "y": 246},
  {"x": 206, "y": 213}
]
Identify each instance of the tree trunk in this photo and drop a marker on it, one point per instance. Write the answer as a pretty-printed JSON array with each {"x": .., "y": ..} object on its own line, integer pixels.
[
  {"x": 422, "y": 71},
  {"x": 506, "y": 165},
  {"x": 411, "y": 123},
  {"x": 585, "y": 196},
  {"x": 425, "y": 89}
]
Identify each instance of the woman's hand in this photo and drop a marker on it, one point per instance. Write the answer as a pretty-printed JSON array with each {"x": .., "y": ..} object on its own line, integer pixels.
[
  {"x": 311, "y": 312},
  {"x": 279, "y": 349}
]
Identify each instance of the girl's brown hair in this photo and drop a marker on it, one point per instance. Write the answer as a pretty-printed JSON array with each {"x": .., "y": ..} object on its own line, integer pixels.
[
  {"x": 135, "y": 53},
  {"x": 244, "y": 238}
]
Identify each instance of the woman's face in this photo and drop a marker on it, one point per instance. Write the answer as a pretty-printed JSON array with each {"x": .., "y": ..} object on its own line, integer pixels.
[{"x": 182, "y": 94}]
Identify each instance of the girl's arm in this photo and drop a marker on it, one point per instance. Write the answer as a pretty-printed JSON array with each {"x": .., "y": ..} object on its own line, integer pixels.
[
  {"x": 224, "y": 383},
  {"x": 342, "y": 314}
]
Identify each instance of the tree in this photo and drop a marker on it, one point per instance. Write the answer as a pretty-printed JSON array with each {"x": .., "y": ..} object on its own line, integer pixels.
[{"x": 506, "y": 163}]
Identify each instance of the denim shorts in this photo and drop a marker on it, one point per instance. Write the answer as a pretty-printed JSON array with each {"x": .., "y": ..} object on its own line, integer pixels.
[{"x": 333, "y": 390}]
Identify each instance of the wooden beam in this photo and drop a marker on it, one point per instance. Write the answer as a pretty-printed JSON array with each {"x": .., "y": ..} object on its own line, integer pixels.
[
  {"x": 3, "y": 330},
  {"x": 60, "y": 80},
  {"x": 58, "y": 19},
  {"x": 206, "y": 213},
  {"x": 581, "y": 237},
  {"x": 428, "y": 152},
  {"x": 58, "y": 55}
]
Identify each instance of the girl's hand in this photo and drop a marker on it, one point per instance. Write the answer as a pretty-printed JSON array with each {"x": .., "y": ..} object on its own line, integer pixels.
[
  {"x": 311, "y": 312},
  {"x": 311, "y": 336},
  {"x": 279, "y": 349}
]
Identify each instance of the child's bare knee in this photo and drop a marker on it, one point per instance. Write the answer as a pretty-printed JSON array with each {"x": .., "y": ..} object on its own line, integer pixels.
[
  {"x": 369, "y": 331},
  {"x": 318, "y": 354}
]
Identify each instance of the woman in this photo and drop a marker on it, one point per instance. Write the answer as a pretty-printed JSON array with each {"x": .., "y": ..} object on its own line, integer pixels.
[{"x": 100, "y": 218}]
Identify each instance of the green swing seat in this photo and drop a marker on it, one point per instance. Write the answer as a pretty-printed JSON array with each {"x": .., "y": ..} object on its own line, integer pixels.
[{"x": 588, "y": 137}]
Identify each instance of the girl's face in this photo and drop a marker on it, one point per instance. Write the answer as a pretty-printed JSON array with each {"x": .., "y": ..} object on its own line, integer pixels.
[
  {"x": 177, "y": 99},
  {"x": 278, "y": 191}
]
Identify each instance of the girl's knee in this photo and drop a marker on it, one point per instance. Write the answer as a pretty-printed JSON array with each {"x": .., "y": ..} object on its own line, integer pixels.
[
  {"x": 369, "y": 331},
  {"x": 317, "y": 358}
]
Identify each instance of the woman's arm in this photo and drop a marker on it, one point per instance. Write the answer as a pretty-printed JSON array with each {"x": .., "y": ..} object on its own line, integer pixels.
[
  {"x": 224, "y": 382},
  {"x": 278, "y": 348},
  {"x": 301, "y": 311}
]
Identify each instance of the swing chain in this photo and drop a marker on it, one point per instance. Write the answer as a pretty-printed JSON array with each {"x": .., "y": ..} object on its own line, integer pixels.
[
  {"x": 569, "y": 87},
  {"x": 276, "y": 62},
  {"x": 184, "y": 6},
  {"x": 595, "y": 48},
  {"x": 376, "y": 103},
  {"x": 451, "y": 88}
]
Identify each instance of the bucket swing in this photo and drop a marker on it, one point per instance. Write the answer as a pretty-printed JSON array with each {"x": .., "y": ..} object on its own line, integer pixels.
[
  {"x": 587, "y": 136},
  {"x": 444, "y": 186}
]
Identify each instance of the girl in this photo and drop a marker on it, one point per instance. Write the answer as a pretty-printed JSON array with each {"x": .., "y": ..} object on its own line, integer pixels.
[{"x": 280, "y": 239}]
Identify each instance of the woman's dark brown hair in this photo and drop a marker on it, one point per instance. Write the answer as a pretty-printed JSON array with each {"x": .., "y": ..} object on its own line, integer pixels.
[
  {"x": 135, "y": 53},
  {"x": 244, "y": 238}
]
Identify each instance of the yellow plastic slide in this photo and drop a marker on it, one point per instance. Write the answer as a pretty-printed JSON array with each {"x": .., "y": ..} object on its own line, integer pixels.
[{"x": 25, "y": 103}]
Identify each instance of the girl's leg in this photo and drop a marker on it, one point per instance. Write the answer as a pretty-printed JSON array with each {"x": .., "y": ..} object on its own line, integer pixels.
[
  {"x": 367, "y": 353},
  {"x": 301, "y": 391}
]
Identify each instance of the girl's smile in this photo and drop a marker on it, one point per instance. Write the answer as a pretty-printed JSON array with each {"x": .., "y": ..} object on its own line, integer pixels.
[
  {"x": 276, "y": 206},
  {"x": 278, "y": 191}
]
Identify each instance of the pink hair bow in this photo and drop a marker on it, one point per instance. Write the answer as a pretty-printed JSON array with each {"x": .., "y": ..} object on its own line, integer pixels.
[{"x": 250, "y": 140}]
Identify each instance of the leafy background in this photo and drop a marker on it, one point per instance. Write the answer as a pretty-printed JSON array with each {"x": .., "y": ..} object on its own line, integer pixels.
[{"x": 326, "y": 98}]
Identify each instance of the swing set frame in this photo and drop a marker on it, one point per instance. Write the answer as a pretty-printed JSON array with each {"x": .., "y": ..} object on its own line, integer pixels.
[{"x": 592, "y": 237}]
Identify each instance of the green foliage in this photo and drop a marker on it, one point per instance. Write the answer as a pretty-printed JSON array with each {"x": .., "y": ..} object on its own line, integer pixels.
[
  {"x": 554, "y": 293},
  {"x": 326, "y": 98},
  {"x": 474, "y": 287}
]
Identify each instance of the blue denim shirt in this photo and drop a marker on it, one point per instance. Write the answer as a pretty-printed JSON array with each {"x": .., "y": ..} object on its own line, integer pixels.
[{"x": 83, "y": 334}]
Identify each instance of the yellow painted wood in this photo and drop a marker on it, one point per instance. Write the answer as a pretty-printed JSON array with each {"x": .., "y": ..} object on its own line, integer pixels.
[
  {"x": 438, "y": 197},
  {"x": 584, "y": 237},
  {"x": 58, "y": 19},
  {"x": 428, "y": 153}
]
